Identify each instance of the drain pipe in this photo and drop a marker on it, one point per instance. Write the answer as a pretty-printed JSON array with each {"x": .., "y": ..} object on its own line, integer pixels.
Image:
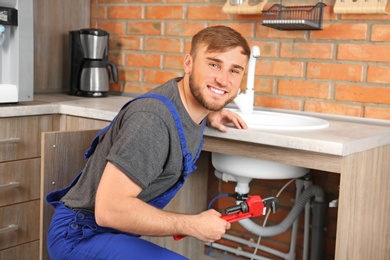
[
  {"x": 306, "y": 195},
  {"x": 318, "y": 230}
]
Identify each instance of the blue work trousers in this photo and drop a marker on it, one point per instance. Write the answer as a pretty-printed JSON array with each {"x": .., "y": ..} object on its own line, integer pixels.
[{"x": 75, "y": 235}]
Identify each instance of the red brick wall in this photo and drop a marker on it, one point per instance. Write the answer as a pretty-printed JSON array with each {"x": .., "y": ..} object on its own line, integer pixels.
[{"x": 343, "y": 69}]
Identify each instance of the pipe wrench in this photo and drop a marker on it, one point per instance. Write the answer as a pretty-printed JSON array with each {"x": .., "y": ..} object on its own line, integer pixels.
[{"x": 253, "y": 206}]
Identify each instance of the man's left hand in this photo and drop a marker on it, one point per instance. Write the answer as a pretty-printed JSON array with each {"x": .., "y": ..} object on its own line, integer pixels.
[{"x": 219, "y": 119}]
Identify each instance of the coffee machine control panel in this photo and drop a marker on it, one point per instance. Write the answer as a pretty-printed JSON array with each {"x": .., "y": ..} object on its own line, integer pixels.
[{"x": 8, "y": 16}]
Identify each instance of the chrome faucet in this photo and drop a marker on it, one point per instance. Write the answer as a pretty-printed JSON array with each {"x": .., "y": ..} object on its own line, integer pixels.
[{"x": 245, "y": 101}]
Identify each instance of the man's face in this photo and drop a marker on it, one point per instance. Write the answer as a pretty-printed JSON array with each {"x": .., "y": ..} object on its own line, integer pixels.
[{"x": 215, "y": 77}]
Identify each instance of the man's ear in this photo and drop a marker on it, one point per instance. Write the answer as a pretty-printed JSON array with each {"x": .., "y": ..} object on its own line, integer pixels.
[{"x": 188, "y": 63}]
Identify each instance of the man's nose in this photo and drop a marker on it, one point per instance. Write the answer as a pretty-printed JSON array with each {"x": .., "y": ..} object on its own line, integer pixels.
[{"x": 222, "y": 77}]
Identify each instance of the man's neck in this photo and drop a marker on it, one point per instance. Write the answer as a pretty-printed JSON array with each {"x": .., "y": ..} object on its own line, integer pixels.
[{"x": 194, "y": 109}]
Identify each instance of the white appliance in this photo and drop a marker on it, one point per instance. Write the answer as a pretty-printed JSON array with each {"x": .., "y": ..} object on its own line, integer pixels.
[{"x": 16, "y": 51}]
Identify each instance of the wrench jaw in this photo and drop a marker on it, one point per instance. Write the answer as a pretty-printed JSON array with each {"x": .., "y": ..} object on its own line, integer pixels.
[
  {"x": 272, "y": 203},
  {"x": 253, "y": 206}
]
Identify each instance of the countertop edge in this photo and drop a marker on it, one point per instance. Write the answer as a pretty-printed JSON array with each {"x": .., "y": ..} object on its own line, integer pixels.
[{"x": 96, "y": 109}]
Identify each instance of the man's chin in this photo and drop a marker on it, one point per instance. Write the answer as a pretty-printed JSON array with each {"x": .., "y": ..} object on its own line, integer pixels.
[{"x": 214, "y": 107}]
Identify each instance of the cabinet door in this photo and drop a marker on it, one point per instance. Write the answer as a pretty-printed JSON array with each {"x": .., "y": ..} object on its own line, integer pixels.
[{"x": 62, "y": 159}]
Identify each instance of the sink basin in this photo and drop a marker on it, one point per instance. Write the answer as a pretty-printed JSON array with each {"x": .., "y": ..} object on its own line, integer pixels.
[
  {"x": 238, "y": 168},
  {"x": 266, "y": 120}
]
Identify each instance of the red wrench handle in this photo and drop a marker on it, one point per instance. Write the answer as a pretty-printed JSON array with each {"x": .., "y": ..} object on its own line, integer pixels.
[
  {"x": 255, "y": 206},
  {"x": 230, "y": 218}
]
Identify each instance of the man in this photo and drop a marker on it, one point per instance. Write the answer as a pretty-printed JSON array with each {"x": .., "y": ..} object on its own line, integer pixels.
[{"x": 138, "y": 164}]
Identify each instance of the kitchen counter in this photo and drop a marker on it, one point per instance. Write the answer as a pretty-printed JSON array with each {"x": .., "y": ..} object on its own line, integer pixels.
[{"x": 344, "y": 136}]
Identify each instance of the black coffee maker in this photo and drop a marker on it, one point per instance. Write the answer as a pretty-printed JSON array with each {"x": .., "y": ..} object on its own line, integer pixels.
[{"x": 89, "y": 65}]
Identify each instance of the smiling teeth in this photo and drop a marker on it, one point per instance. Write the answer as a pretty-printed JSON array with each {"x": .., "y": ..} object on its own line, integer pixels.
[{"x": 220, "y": 92}]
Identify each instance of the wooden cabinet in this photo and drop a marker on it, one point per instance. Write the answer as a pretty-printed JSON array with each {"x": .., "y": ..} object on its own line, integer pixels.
[{"x": 20, "y": 149}]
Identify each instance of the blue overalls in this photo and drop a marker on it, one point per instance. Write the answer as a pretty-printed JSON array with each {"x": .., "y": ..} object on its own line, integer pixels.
[{"x": 74, "y": 234}]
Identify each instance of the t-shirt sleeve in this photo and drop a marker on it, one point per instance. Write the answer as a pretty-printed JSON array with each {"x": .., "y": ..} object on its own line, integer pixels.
[{"x": 141, "y": 147}]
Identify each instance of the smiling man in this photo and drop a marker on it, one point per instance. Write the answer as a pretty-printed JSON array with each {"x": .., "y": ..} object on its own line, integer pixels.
[{"x": 138, "y": 163}]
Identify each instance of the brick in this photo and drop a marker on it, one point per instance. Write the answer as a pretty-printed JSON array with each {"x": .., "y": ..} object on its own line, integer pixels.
[
  {"x": 173, "y": 61},
  {"x": 267, "y": 49},
  {"x": 332, "y": 71},
  {"x": 93, "y": 24},
  {"x": 333, "y": 108},
  {"x": 111, "y": 1},
  {"x": 117, "y": 87},
  {"x": 364, "y": 52},
  {"x": 328, "y": 14},
  {"x": 340, "y": 31},
  {"x": 277, "y": 102},
  {"x": 186, "y": 1},
  {"x": 163, "y": 44},
  {"x": 261, "y": 85},
  {"x": 208, "y": 12},
  {"x": 377, "y": 112},
  {"x": 279, "y": 68},
  {"x": 159, "y": 76},
  {"x": 245, "y": 29},
  {"x": 127, "y": 74},
  {"x": 306, "y": 50},
  {"x": 246, "y": 17},
  {"x": 137, "y": 88},
  {"x": 98, "y": 12},
  {"x": 117, "y": 57},
  {"x": 306, "y": 89},
  {"x": 125, "y": 43},
  {"x": 380, "y": 33},
  {"x": 144, "y": 28},
  {"x": 378, "y": 74},
  {"x": 112, "y": 27},
  {"x": 164, "y": 12},
  {"x": 143, "y": 60},
  {"x": 184, "y": 28},
  {"x": 124, "y": 12},
  {"x": 379, "y": 95}
]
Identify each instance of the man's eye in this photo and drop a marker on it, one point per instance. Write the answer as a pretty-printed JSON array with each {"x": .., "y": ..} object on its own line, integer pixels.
[
  {"x": 214, "y": 65},
  {"x": 236, "y": 71}
]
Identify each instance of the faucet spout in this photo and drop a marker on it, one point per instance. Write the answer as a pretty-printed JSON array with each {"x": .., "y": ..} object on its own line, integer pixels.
[{"x": 245, "y": 101}]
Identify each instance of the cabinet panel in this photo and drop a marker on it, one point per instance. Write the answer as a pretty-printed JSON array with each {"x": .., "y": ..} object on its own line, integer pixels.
[
  {"x": 20, "y": 137},
  {"x": 26, "y": 217},
  {"x": 80, "y": 123},
  {"x": 27, "y": 251},
  {"x": 19, "y": 181}
]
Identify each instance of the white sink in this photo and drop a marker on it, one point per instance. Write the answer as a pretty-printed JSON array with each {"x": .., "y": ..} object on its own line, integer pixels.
[
  {"x": 242, "y": 169},
  {"x": 266, "y": 120}
]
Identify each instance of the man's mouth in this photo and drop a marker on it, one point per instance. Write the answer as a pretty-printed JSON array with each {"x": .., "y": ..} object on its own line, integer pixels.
[{"x": 216, "y": 91}]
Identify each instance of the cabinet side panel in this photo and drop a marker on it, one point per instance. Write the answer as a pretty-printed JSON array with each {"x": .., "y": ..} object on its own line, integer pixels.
[{"x": 363, "y": 229}]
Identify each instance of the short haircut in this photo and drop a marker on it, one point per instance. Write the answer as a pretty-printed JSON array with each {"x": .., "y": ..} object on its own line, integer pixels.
[{"x": 219, "y": 39}]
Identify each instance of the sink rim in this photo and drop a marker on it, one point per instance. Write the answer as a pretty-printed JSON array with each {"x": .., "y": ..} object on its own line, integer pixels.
[{"x": 315, "y": 122}]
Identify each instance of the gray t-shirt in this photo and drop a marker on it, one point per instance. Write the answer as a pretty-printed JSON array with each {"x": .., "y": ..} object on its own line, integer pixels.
[{"x": 143, "y": 143}]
